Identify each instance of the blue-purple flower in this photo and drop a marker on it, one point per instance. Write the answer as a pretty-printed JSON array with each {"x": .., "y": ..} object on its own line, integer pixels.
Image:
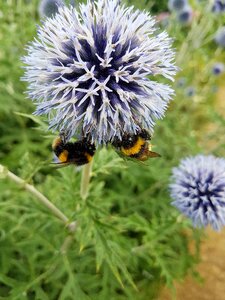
[
  {"x": 198, "y": 190},
  {"x": 220, "y": 37},
  {"x": 190, "y": 91},
  {"x": 185, "y": 15},
  {"x": 218, "y": 6},
  {"x": 177, "y": 5},
  {"x": 48, "y": 8},
  {"x": 93, "y": 71},
  {"x": 218, "y": 68}
]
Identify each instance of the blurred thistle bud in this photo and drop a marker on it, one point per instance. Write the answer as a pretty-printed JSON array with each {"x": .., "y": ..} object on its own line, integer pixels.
[
  {"x": 177, "y": 5},
  {"x": 198, "y": 190},
  {"x": 218, "y": 6},
  {"x": 214, "y": 89},
  {"x": 93, "y": 71},
  {"x": 185, "y": 15},
  {"x": 181, "y": 82},
  {"x": 220, "y": 37},
  {"x": 218, "y": 68},
  {"x": 48, "y": 8},
  {"x": 190, "y": 91}
]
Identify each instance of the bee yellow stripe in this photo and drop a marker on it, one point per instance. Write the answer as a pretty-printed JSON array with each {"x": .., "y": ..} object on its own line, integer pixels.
[
  {"x": 56, "y": 142},
  {"x": 88, "y": 156},
  {"x": 63, "y": 156},
  {"x": 135, "y": 149}
]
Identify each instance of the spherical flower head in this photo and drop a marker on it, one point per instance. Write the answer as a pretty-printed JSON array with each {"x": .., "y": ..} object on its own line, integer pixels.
[
  {"x": 93, "y": 71},
  {"x": 48, "y": 8},
  {"x": 220, "y": 37},
  {"x": 198, "y": 190},
  {"x": 185, "y": 15},
  {"x": 218, "y": 6},
  {"x": 177, "y": 5},
  {"x": 218, "y": 68}
]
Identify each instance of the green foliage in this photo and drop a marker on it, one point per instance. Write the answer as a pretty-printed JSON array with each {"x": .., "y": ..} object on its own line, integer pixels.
[{"x": 129, "y": 240}]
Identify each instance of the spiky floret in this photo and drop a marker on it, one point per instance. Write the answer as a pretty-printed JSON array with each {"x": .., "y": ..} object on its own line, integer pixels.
[
  {"x": 88, "y": 69},
  {"x": 198, "y": 190}
]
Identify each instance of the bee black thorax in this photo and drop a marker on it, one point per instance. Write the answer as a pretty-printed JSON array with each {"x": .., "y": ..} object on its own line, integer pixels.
[{"x": 78, "y": 153}]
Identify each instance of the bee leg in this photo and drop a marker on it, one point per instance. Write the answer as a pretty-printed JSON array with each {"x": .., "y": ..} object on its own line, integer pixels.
[{"x": 64, "y": 136}]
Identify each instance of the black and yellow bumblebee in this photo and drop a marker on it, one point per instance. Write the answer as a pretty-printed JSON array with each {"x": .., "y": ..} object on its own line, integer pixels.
[
  {"x": 78, "y": 153},
  {"x": 135, "y": 146}
]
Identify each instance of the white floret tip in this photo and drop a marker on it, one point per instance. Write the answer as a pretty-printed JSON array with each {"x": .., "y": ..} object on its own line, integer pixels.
[{"x": 91, "y": 71}]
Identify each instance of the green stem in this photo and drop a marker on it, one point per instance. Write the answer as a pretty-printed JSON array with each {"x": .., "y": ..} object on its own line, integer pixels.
[
  {"x": 85, "y": 180},
  {"x": 71, "y": 226},
  {"x": 39, "y": 196}
]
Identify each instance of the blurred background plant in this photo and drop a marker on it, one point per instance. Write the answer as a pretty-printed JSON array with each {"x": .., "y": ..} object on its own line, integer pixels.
[{"x": 129, "y": 240}]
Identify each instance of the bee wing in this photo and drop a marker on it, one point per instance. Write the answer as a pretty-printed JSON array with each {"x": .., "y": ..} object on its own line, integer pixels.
[
  {"x": 131, "y": 159},
  {"x": 58, "y": 165},
  {"x": 153, "y": 154}
]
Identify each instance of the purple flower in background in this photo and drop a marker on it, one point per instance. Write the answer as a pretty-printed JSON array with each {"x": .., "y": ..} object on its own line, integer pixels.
[
  {"x": 48, "y": 8},
  {"x": 93, "y": 71},
  {"x": 218, "y": 68},
  {"x": 190, "y": 91},
  {"x": 185, "y": 15},
  {"x": 198, "y": 190},
  {"x": 177, "y": 5},
  {"x": 218, "y": 6},
  {"x": 181, "y": 82},
  {"x": 220, "y": 37}
]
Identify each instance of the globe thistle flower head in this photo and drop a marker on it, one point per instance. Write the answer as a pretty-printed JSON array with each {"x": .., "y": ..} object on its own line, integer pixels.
[
  {"x": 218, "y": 68},
  {"x": 198, "y": 190},
  {"x": 218, "y": 6},
  {"x": 87, "y": 70},
  {"x": 220, "y": 37},
  {"x": 185, "y": 15},
  {"x": 48, "y": 8},
  {"x": 177, "y": 5}
]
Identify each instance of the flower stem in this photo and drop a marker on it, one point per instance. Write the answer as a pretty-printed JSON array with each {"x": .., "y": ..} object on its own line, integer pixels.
[
  {"x": 41, "y": 198},
  {"x": 85, "y": 179},
  {"x": 71, "y": 226}
]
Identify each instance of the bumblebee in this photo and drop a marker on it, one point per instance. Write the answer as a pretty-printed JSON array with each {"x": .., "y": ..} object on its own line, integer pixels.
[
  {"x": 78, "y": 153},
  {"x": 135, "y": 146}
]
